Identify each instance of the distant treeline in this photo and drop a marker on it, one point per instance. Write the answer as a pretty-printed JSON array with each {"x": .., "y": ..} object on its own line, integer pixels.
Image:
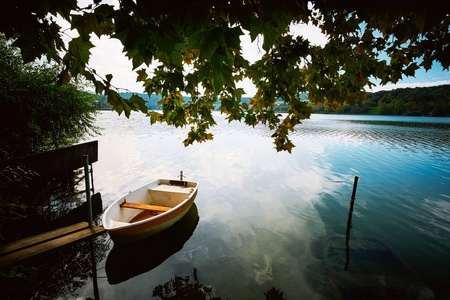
[
  {"x": 152, "y": 102},
  {"x": 101, "y": 102},
  {"x": 426, "y": 101}
]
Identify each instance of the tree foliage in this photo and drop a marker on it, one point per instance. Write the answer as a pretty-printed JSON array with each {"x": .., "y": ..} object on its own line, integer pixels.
[
  {"x": 425, "y": 101},
  {"x": 37, "y": 114},
  {"x": 199, "y": 53}
]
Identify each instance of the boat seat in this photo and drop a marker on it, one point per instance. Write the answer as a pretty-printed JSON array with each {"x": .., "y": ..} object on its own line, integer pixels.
[
  {"x": 172, "y": 189},
  {"x": 145, "y": 206}
]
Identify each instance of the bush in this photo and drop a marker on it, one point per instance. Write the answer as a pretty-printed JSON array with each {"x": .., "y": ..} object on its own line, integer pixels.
[{"x": 36, "y": 113}]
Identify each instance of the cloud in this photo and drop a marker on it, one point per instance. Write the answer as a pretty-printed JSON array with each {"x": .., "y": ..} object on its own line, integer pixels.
[
  {"x": 312, "y": 33},
  {"x": 107, "y": 58}
]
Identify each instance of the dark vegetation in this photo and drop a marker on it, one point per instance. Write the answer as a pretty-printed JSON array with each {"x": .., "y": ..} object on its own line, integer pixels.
[{"x": 38, "y": 115}]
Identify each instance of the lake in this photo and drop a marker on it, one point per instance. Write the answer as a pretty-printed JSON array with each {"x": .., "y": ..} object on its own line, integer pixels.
[{"x": 270, "y": 224}]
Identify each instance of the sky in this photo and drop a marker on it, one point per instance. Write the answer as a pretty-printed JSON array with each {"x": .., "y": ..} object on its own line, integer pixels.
[{"x": 107, "y": 58}]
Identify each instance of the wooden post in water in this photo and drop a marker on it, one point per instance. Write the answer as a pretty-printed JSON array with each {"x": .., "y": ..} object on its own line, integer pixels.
[
  {"x": 88, "y": 188},
  {"x": 349, "y": 223},
  {"x": 352, "y": 201}
]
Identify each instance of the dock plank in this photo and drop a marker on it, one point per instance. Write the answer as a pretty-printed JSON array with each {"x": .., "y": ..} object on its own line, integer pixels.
[
  {"x": 145, "y": 206},
  {"x": 48, "y": 245},
  {"x": 41, "y": 238}
]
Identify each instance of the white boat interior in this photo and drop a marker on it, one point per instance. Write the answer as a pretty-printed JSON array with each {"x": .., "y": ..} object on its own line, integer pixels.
[{"x": 158, "y": 197}]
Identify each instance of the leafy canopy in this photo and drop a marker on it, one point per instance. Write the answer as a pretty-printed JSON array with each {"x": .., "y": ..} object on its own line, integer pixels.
[{"x": 198, "y": 50}]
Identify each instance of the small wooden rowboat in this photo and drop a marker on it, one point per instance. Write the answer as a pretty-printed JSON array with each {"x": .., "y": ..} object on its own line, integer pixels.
[{"x": 149, "y": 209}]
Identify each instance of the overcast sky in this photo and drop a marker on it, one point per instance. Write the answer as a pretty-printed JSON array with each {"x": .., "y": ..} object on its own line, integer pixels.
[{"x": 107, "y": 58}]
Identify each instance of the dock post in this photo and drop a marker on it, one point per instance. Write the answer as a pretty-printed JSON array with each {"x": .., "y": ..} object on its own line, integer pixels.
[
  {"x": 94, "y": 269},
  {"x": 88, "y": 188}
]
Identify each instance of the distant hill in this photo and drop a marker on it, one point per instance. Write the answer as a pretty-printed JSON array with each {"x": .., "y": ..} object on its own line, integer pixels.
[
  {"x": 425, "y": 101},
  {"x": 152, "y": 102}
]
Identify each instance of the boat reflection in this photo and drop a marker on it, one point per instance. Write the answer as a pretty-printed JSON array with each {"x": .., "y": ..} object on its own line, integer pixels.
[{"x": 127, "y": 261}]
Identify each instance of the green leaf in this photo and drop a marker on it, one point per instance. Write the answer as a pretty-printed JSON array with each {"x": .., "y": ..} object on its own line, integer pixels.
[
  {"x": 99, "y": 87},
  {"x": 138, "y": 103},
  {"x": 234, "y": 37},
  {"x": 427, "y": 63},
  {"x": 114, "y": 100},
  {"x": 411, "y": 70},
  {"x": 142, "y": 75},
  {"x": 126, "y": 106},
  {"x": 175, "y": 80},
  {"x": 269, "y": 36},
  {"x": 85, "y": 24},
  {"x": 209, "y": 47},
  {"x": 154, "y": 117},
  {"x": 80, "y": 49}
]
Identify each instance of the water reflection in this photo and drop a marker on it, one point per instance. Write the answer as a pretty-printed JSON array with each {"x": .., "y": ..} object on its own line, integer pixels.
[
  {"x": 55, "y": 274},
  {"x": 183, "y": 288},
  {"x": 125, "y": 262},
  {"x": 262, "y": 211},
  {"x": 49, "y": 202},
  {"x": 375, "y": 272}
]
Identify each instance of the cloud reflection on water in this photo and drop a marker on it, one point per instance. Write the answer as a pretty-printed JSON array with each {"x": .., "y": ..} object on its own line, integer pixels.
[{"x": 260, "y": 210}]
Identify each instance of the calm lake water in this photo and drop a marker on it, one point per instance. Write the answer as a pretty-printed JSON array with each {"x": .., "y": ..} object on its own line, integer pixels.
[{"x": 267, "y": 222}]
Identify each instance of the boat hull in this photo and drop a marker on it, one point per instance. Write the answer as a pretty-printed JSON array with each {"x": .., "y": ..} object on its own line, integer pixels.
[
  {"x": 171, "y": 240},
  {"x": 124, "y": 232}
]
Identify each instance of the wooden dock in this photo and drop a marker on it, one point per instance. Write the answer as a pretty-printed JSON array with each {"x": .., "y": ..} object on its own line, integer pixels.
[
  {"x": 51, "y": 164},
  {"x": 17, "y": 251}
]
